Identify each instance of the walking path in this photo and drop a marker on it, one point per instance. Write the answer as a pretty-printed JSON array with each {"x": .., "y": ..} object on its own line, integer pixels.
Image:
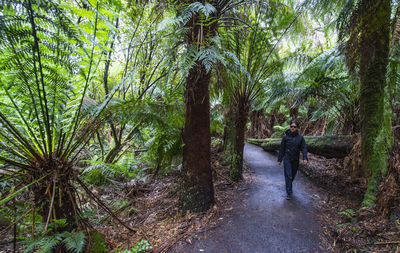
[{"x": 267, "y": 222}]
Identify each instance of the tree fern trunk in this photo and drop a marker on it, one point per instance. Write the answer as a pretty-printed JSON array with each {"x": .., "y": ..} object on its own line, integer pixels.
[
  {"x": 258, "y": 128},
  {"x": 374, "y": 46},
  {"x": 241, "y": 114},
  {"x": 197, "y": 192},
  {"x": 62, "y": 206},
  {"x": 113, "y": 153},
  {"x": 229, "y": 135}
]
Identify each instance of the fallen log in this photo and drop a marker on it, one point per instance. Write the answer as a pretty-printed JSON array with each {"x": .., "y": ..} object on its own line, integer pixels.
[{"x": 327, "y": 146}]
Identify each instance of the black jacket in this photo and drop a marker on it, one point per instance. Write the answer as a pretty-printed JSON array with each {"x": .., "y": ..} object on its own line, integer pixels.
[{"x": 291, "y": 145}]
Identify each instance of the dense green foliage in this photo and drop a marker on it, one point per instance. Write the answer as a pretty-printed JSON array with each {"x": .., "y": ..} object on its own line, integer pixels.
[{"x": 96, "y": 93}]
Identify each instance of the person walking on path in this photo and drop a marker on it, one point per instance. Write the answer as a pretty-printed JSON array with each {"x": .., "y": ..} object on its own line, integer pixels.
[{"x": 291, "y": 145}]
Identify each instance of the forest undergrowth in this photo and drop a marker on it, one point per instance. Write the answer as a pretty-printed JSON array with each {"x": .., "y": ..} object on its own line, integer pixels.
[
  {"x": 346, "y": 228},
  {"x": 153, "y": 208}
]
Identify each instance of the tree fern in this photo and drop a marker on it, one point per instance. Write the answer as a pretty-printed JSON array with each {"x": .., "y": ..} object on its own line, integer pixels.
[
  {"x": 163, "y": 119},
  {"x": 46, "y": 69},
  {"x": 318, "y": 76}
]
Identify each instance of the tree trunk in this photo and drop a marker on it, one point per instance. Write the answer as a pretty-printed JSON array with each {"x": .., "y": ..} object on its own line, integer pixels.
[
  {"x": 327, "y": 146},
  {"x": 113, "y": 153},
  {"x": 197, "y": 192},
  {"x": 259, "y": 128},
  {"x": 374, "y": 45},
  {"x": 229, "y": 136},
  {"x": 241, "y": 114},
  {"x": 63, "y": 201}
]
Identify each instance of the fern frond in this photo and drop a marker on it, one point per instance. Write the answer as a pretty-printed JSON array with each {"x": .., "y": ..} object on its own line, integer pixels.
[
  {"x": 209, "y": 57},
  {"x": 197, "y": 7},
  {"x": 42, "y": 244},
  {"x": 75, "y": 241}
]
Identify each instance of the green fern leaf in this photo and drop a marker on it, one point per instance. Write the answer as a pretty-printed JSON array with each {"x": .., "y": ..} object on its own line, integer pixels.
[
  {"x": 75, "y": 242},
  {"x": 42, "y": 244},
  {"x": 206, "y": 9},
  {"x": 208, "y": 56},
  {"x": 48, "y": 244}
]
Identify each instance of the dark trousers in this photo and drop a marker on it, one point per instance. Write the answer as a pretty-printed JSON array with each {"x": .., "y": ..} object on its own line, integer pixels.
[{"x": 290, "y": 173}]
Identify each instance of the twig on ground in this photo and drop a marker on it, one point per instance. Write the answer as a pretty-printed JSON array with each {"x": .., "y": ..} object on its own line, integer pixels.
[
  {"x": 391, "y": 242},
  {"x": 100, "y": 203},
  {"x": 165, "y": 248},
  {"x": 187, "y": 233}
]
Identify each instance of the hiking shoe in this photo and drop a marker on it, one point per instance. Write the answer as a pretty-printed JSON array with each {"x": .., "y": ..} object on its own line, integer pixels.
[{"x": 289, "y": 197}]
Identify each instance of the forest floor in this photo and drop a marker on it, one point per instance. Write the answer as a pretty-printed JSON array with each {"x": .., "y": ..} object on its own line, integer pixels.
[
  {"x": 152, "y": 209},
  {"x": 253, "y": 215},
  {"x": 250, "y": 216}
]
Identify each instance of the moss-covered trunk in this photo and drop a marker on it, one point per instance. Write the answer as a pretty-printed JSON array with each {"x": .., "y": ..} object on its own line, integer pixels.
[
  {"x": 113, "y": 153},
  {"x": 229, "y": 134},
  {"x": 374, "y": 46},
  {"x": 241, "y": 115}
]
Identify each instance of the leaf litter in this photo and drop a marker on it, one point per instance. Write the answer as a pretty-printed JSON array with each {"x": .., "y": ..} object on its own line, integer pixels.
[
  {"x": 153, "y": 210},
  {"x": 346, "y": 226}
]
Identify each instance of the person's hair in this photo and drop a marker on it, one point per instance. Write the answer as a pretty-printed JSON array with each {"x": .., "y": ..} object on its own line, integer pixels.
[{"x": 294, "y": 122}]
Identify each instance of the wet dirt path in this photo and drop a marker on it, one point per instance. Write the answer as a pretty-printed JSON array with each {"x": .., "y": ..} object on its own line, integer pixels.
[{"x": 265, "y": 221}]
